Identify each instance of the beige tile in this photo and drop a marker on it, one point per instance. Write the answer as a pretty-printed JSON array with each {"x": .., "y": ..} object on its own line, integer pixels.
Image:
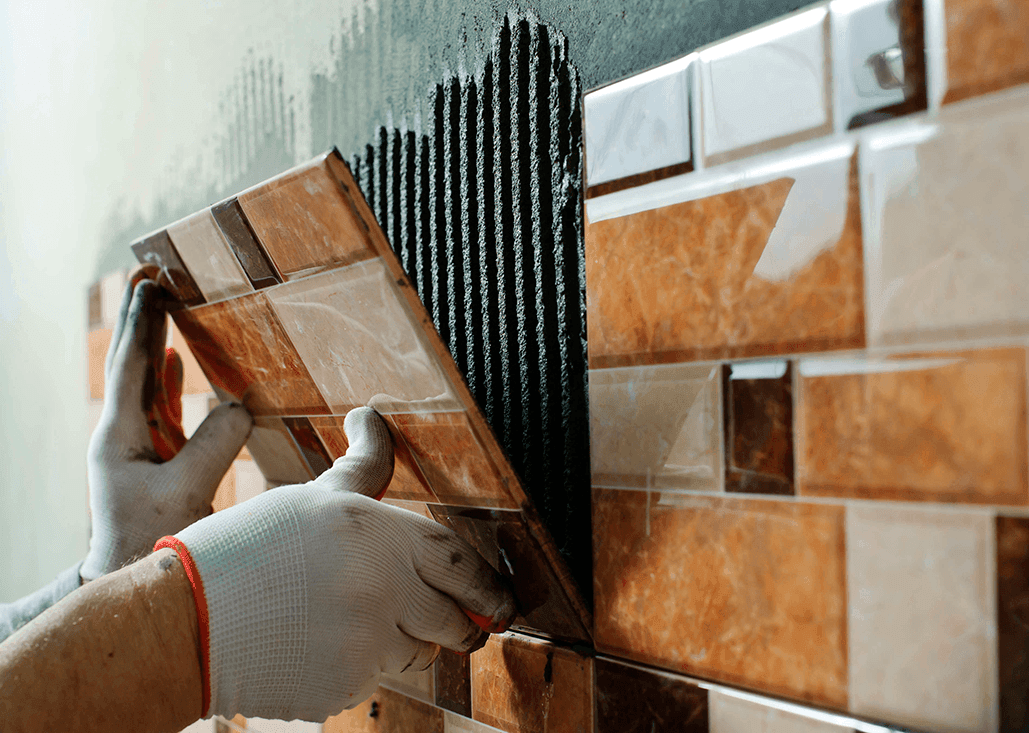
[
  {"x": 919, "y": 591},
  {"x": 275, "y": 453},
  {"x": 655, "y": 427},
  {"x": 730, "y": 714},
  {"x": 416, "y": 683},
  {"x": 454, "y": 723},
  {"x": 204, "y": 251}
]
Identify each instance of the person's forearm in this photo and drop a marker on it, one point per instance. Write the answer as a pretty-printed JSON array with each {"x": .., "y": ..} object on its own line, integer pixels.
[{"x": 121, "y": 653}]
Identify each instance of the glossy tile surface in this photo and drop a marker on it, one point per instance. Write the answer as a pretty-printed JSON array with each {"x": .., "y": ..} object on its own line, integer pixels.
[
  {"x": 631, "y": 700},
  {"x": 97, "y": 344},
  {"x": 457, "y": 724},
  {"x": 987, "y": 46},
  {"x": 770, "y": 612},
  {"x": 416, "y": 683},
  {"x": 744, "y": 81},
  {"x": 769, "y": 269},
  {"x": 193, "y": 379},
  {"x": 305, "y": 223},
  {"x": 453, "y": 682},
  {"x": 730, "y": 714},
  {"x": 360, "y": 341},
  {"x": 311, "y": 448},
  {"x": 245, "y": 352},
  {"x": 758, "y": 427},
  {"x": 655, "y": 427},
  {"x": 946, "y": 426},
  {"x": 240, "y": 237},
  {"x": 525, "y": 686},
  {"x": 946, "y": 224},
  {"x": 638, "y": 124},
  {"x": 387, "y": 712},
  {"x": 920, "y": 617},
  {"x": 276, "y": 453},
  {"x": 158, "y": 250},
  {"x": 202, "y": 247},
  {"x": 1013, "y": 621}
]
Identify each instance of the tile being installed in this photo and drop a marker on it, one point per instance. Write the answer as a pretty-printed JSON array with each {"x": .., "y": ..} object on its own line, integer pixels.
[
  {"x": 157, "y": 249},
  {"x": 758, "y": 427},
  {"x": 750, "y": 592},
  {"x": 987, "y": 44},
  {"x": 1013, "y": 621},
  {"x": 919, "y": 587},
  {"x": 639, "y": 124},
  {"x": 240, "y": 237},
  {"x": 310, "y": 445},
  {"x": 745, "y": 80},
  {"x": 655, "y": 427},
  {"x": 633, "y": 700},
  {"x": 416, "y": 683},
  {"x": 522, "y": 685},
  {"x": 202, "y": 246},
  {"x": 276, "y": 453},
  {"x": 357, "y": 337},
  {"x": 946, "y": 224},
  {"x": 453, "y": 682},
  {"x": 772, "y": 268},
  {"x": 946, "y": 426},
  {"x": 387, "y": 712},
  {"x": 731, "y": 714},
  {"x": 193, "y": 379}
]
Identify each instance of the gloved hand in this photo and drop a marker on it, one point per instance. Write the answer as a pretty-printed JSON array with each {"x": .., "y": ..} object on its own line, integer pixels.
[
  {"x": 137, "y": 494},
  {"x": 306, "y": 593}
]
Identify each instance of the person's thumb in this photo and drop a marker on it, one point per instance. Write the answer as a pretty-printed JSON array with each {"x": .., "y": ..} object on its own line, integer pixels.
[
  {"x": 207, "y": 455},
  {"x": 367, "y": 466}
]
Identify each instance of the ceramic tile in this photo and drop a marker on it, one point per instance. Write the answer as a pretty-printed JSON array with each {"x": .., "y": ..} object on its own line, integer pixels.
[
  {"x": 987, "y": 46},
  {"x": 638, "y": 124},
  {"x": 1013, "y": 622},
  {"x": 453, "y": 680},
  {"x": 240, "y": 237},
  {"x": 249, "y": 480},
  {"x": 945, "y": 224},
  {"x": 407, "y": 483},
  {"x": 112, "y": 290},
  {"x": 157, "y": 249},
  {"x": 417, "y": 507},
  {"x": 202, "y": 246},
  {"x": 506, "y": 540},
  {"x": 946, "y": 426},
  {"x": 387, "y": 712},
  {"x": 758, "y": 427},
  {"x": 93, "y": 307},
  {"x": 730, "y": 714},
  {"x": 193, "y": 379},
  {"x": 744, "y": 80},
  {"x": 655, "y": 427},
  {"x": 97, "y": 344},
  {"x": 225, "y": 494},
  {"x": 631, "y": 700},
  {"x": 416, "y": 683},
  {"x": 453, "y": 460},
  {"x": 771, "y": 610},
  {"x": 769, "y": 269},
  {"x": 457, "y": 724},
  {"x": 310, "y": 445},
  {"x": 326, "y": 234},
  {"x": 275, "y": 452},
  {"x": 920, "y": 621},
  {"x": 244, "y": 352},
  {"x": 526, "y": 686}
]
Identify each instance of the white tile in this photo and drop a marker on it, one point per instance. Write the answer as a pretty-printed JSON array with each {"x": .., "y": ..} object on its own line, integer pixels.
[
  {"x": 639, "y": 124},
  {"x": 730, "y": 714}
]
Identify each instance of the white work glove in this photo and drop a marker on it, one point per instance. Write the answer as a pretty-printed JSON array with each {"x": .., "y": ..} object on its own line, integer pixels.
[
  {"x": 306, "y": 593},
  {"x": 145, "y": 480}
]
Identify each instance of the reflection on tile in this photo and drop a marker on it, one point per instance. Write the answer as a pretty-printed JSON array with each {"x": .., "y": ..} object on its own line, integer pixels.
[
  {"x": 225, "y": 495},
  {"x": 770, "y": 269},
  {"x": 639, "y": 124},
  {"x": 244, "y": 352},
  {"x": 520, "y": 685},
  {"x": 947, "y": 426},
  {"x": 328, "y": 232},
  {"x": 920, "y": 620},
  {"x": 772, "y": 611},
  {"x": 730, "y": 714},
  {"x": 416, "y": 683},
  {"x": 453, "y": 459},
  {"x": 275, "y": 452},
  {"x": 631, "y": 700},
  {"x": 758, "y": 427},
  {"x": 310, "y": 445},
  {"x": 202, "y": 246},
  {"x": 453, "y": 682},
  {"x": 505, "y": 540},
  {"x": 97, "y": 344},
  {"x": 655, "y": 427},
  {"x": 387, "y": 712},
  {"x": 744, "y": 81},
  {"x": 946, "y": 224},
  {"x": 240, "y": 238},
  {"x": 987, "y": 46},
  {"x": 193, "y": 379},
  {"x": 249, "y": 480},
  {"x": 157, "y": 249},
  {"x": 358, "y": 339},
  {"x": 1013, "y": 622},
  {"x": 408, "y": 483}
]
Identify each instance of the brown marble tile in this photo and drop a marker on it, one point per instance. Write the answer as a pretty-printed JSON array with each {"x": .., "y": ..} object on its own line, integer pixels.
[
  {"x": 453, "y": 682},
  {"x": 946, "y": 426},
  {"x": 505, "y": 538},
  {"x": 735, "y": 274},
  {"x": 758, "y": 428},
  {"x": 987, "y": 46},
  {"x": 276, "y": 453},
  {"x": 1013, "y": 622},
  {"x": 240, "y": 237},
  {"x": 244, "y": 352},
  {"x": 453, "y": 459},
  {"x": 193, "y": 379},
  {"x": 751, "y": 592},
  {"x": 328, "y": 234},
  {"x": 408, "y": 483},
  {"x": 157, "y": 249},
  {"x": 522, "y": 685},
  {"x": 310, "y": 445},
  {"x": 631, "y": 700},
  {"x": 97, "y": 344},
  {"x": 387, "y": 712}
]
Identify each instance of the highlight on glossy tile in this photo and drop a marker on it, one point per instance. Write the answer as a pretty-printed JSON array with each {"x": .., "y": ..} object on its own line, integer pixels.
[
  {"x": 680, "y": 581},
  {"x": 416, "y": 683},
  {"x": 732, "y": 714},
  {"x": 202, "y": 247},
  {"x": 634, "y": 700},
  {"x": 158, "y": 250},
  {"x": 946, "y": 224},
  {"x": 656, "y": 427},
  {"x": 387, "y": 712},
  {"x": 943, "y": 426},
  {"x": 758, "y": 427},
  {"x": 311, "y": 448},
  {"x": 987, "y": 46},
  {"x": 1012, "y": 629},
  {"x": 919, "y": 590},
  {"x": 235, "y": 228},
  {"x": 276, "y": 453}
]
